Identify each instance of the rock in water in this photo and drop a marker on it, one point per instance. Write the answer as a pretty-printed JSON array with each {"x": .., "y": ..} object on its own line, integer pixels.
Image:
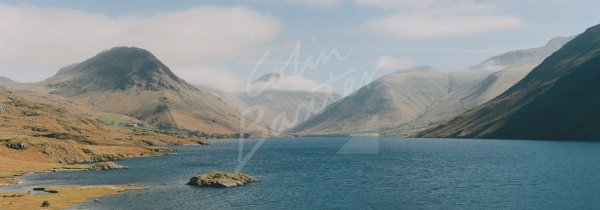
[
  {"x": 107, "y": 166},
  {"x": 221, "y": 179},
  {"x": 203, "y": 142},
  {"x": 45, "y": 204}
]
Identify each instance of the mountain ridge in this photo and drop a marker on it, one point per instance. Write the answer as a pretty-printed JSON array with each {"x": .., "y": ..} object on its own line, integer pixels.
[
  {"x": 556, "y": 101},
  {"x": 452, "y": 93}
]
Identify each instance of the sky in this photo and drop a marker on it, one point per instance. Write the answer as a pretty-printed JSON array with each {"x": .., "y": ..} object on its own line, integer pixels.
[{"x": 331, "y": 45}]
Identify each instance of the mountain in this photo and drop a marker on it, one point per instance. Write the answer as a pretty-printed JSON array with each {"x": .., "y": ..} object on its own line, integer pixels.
[
  {"x": 391, "y": 100},
  {"x": 4, "y": 81},
  {"x": 133, "y": 82},
  {"x": 512, "y": 67},
  {"x": 270, "y": 77},
  {"x": 118, "y": 69},
  {"x": 407, "y": 102},
  {"x": 558, "y": 100},
  {"x": 517, "y": 57},
  {"x": 9, "y": 83},
  {"x": 277, "y": 109}
]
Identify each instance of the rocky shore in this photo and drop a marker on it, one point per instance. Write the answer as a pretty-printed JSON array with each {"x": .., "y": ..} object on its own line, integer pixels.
[
  {"x": 59, "y": 197},
  {"x": 107, "y": 166}
]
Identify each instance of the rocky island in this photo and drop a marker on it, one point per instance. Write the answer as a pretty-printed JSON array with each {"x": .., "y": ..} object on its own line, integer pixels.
[
  {"x": 107, "y": 166},
  {"x": 221, "y": 179}
]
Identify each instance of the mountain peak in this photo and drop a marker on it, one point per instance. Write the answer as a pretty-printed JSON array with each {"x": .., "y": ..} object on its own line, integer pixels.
[
  {"x": 126, "y": 49},
  {"x": 6, "y": 82},
  {"x": 130, "y": 53},
  {"x": 522, "y": 56},
  {"x": 559, "y": 41},
  {"x": 268, "y": 77},
  {"x": 121, "y": 68},
  {"x": 126, "y": 59}
]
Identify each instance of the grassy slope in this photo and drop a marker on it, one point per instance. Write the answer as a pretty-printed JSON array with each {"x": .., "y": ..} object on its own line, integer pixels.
[{"x": 56, "y": 137}]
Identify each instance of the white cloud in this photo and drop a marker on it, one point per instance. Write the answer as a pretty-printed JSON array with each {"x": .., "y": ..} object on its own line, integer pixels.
[
  {"x": 311, "y": 3},
  {"x": 215, "y": 77},
  {"x": 289, "y": 83},
  {"x": 391, "y": 63},
  {"x": 323, "y": 3},
  {"x": 35, "y": 38},
  {"x": 427, "y": 26},
  {"x": 392, "y": 4},
  {"x": 439, "y": 18}
]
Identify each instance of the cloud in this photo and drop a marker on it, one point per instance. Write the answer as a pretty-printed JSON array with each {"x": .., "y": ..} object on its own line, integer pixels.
[
  {"x": 433, "y": 19},
  {"x": 391, "y": 63},
  {"x": 215, "y": 77},
  {"x": 333, "y": 3},
  {"x": 188, "y": 41},
  {"x": 393, "y": 4},
  {"x": 322, "y": 3},
  {"x": 312, "y": 3},
  {"x": 288, "y": 83},
  {"x": 417, "y": 26}
]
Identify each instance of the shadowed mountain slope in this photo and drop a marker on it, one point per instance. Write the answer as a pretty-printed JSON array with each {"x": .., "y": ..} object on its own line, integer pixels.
[{"x": 559, "y": 100}]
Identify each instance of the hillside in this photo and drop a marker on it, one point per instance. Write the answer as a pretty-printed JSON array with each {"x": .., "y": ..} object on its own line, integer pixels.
[
  {"x": 391, "y": 100},
  {"x": 40, "y": 132},
  {"x": 407, "y": 102},
  {"x": 9, "y": 83},
  {"x": 558, "y": 100},
  {"x": 485, "y": 86},
  {"x": 131, "y": 81}
]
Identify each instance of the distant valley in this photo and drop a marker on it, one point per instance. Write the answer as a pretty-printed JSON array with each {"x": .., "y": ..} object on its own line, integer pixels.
[{"x": 274, "y": 108}]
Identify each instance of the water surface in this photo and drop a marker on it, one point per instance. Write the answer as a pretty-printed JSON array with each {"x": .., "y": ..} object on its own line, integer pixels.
[{"x": 325, "y": 173}]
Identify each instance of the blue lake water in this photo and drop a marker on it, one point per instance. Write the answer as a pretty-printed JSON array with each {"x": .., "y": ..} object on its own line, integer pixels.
[{"x": 330, "y": 173}]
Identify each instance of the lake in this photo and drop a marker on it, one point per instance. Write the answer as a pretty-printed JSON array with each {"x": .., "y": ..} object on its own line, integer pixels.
[{"x": 358, "y": 173}]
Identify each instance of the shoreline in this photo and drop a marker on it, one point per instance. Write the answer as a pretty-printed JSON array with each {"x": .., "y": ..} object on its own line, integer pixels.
[
  {"x": 60, "y": 197},
  {"x": 13, "y": 178},
  {"x": 63, "y": 196}
]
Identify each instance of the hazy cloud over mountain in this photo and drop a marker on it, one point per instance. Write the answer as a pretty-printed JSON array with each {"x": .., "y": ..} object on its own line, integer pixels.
[
  {"x": 44, "y": 38},
  {"x": 275, "y": 81},
  {"x": 391, "y": 63},
  {"x": 220, "y": 43}
]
